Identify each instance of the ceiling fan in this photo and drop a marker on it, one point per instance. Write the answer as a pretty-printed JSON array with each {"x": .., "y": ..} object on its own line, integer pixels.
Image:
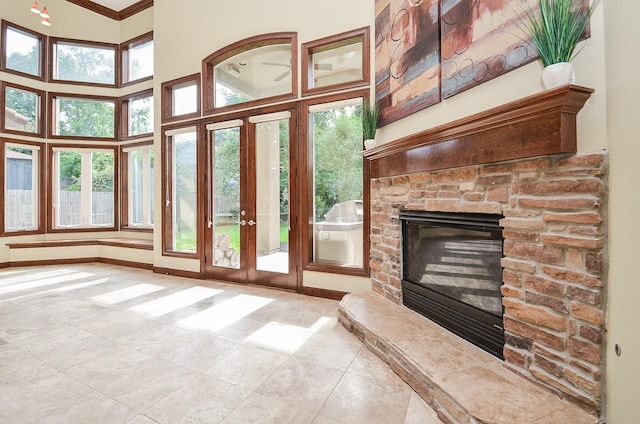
[{"x": 316, "y": 66}]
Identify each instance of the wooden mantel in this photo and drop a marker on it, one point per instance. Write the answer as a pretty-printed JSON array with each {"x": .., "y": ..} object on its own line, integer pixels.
[{"x": 538, "y": 125}]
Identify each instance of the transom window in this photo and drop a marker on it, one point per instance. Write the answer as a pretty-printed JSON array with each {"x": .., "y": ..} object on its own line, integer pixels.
[
  {"x": 181, "y": 98},
  {"x": 253, "y": 71},
  {"x": 337, "y": 62}
]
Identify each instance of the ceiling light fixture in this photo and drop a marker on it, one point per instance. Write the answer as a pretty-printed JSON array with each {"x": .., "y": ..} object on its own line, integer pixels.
[{"x": 44, "y": 13}]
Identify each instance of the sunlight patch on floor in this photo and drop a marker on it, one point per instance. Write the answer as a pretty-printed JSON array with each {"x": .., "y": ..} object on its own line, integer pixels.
[
  {"x": 118, "y": 296},
  {"x": 219, "y": 316},
  {"x": 43, "y": 281},
  {"x": 175, "y": 301}
]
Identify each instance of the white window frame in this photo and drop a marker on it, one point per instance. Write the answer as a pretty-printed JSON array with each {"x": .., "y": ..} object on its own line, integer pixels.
[
  {"x": 147, "y": 194},
  {"x": 86, "y": 176},
  {"x": 35, "y": 187}
]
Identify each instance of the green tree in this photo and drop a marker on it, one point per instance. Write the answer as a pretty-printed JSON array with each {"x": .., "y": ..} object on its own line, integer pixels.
[
  {"x": 338, "y": 163},
  {"x": 89, "y": 118},
  {"x": 85, "y": 63},
  {"x": 27, "y": 63}
]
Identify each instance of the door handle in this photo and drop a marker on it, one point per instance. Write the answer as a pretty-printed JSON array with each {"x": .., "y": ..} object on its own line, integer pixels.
[
  {"x": 252, "y": 222},
  {"x": 243, "y": 222}
]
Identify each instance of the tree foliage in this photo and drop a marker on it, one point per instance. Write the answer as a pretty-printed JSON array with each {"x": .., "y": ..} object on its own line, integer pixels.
[{"x": 338, "y": 164}]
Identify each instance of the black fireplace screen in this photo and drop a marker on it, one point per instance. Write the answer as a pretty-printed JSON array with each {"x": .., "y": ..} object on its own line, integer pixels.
[{"x": 452, "y": 273}]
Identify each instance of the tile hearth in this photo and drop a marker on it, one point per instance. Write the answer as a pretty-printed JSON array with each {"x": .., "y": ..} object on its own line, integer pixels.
[{"x": 460, "y": 381}]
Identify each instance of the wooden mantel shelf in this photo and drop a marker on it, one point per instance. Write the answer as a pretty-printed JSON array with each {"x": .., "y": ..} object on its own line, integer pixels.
[{"x": 538, "y": 125}]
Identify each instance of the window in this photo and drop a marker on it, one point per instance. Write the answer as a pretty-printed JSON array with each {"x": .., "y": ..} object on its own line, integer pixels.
[
  {"x": 337, "y": 62},
  {"x": 181, "y": 98},
  {"x": 137, "y": 196},
  {"x": 78, "y": 116},
  {"x": 22, "y": 51},
  {"x": 137, "y": 59},
  {"x": 257, "y": 70},
  {"x": 137, "y": 115},
  {"x": 22, "y": 109},
  {"x": 83, "y": 187},
  {"x": 180, "y": 191},
  {"x": 21, "y": 197},
  {"x": 83, "y": 62},
  {"x": 336, "y": 184}
]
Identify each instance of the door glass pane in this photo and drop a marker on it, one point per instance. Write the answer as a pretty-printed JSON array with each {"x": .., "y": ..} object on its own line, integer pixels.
[
  {"x": 226, "y": 197},
  {"x": 184, "y": 192},
  {"x": 337, "y": 186},
  {"x": 272, "y": 196}
]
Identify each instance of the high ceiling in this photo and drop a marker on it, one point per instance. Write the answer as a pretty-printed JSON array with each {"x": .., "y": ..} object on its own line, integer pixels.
[
  {"x": 115, "y": 9},
  {"x": 116, "y": 5}
]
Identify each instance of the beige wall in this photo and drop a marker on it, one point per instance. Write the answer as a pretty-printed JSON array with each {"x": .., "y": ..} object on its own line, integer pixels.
[{"x": 623, "y": 373}]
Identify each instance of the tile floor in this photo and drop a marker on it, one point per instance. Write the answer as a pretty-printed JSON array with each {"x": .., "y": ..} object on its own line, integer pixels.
[{"x": 95, "y": 343}]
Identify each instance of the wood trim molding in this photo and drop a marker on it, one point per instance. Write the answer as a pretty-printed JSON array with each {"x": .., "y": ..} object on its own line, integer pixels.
[
  {"x": 538, "y": 125},
  {"x": 114, "y": 14}
]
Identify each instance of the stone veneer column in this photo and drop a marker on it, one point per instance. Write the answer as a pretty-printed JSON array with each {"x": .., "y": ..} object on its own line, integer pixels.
[{"x": 554, "y": 256}]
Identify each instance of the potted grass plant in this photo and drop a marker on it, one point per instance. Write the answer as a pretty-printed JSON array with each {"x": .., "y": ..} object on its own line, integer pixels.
[
  {"x": 556, "y": 27},
  {"x": 370, "y": 115}
]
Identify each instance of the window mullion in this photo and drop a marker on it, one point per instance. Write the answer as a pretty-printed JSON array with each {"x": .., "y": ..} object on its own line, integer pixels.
[{"x": 86, "y": 188}]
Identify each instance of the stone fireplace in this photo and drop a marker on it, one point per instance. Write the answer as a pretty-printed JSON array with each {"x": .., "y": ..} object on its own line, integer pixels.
[{"x": 518, "y": 161}]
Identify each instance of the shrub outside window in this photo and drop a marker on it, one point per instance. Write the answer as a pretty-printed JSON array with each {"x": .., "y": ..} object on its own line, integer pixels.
[
  {"x": 76, "y": 116},
  {"x": 21, "y": 187},
  {"x": 83, "y": 188},
  {"x": 22, "y": 51},
  {"x": 22, "y": 109},
  {"x": 83, "y": 62}
]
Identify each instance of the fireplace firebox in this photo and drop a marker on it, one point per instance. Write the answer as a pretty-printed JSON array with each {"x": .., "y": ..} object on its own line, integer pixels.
[{"x": 452, "y": 273}]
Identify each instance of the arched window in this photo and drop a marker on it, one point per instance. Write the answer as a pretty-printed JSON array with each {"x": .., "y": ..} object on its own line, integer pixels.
[{"x": 253, "y": 71}]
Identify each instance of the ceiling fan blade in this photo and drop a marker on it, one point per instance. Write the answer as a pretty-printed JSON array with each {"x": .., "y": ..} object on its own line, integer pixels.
[
  {"x": 276, "y": 64},
  {"x": 323, "y": 67},
  {"x": 281, "y": 76}
]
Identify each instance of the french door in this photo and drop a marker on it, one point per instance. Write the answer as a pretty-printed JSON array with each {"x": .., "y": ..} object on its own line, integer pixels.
[{"x": 250, "y": 236}]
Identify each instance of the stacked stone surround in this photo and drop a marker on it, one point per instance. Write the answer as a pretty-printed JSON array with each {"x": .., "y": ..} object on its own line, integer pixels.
[{"x": 554, "y": 257}]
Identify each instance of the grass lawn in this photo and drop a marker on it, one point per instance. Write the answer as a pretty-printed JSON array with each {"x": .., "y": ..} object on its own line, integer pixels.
[{"x": 233, "y": 231}]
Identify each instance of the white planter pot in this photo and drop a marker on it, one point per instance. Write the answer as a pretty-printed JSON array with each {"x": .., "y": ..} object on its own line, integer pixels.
[
  {"x": 558, "y": 74},
  {"x": 369, "y": 143}
]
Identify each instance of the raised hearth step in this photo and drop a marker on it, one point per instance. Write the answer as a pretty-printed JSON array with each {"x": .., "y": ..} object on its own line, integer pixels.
[{"x": 460, "y": 381}]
